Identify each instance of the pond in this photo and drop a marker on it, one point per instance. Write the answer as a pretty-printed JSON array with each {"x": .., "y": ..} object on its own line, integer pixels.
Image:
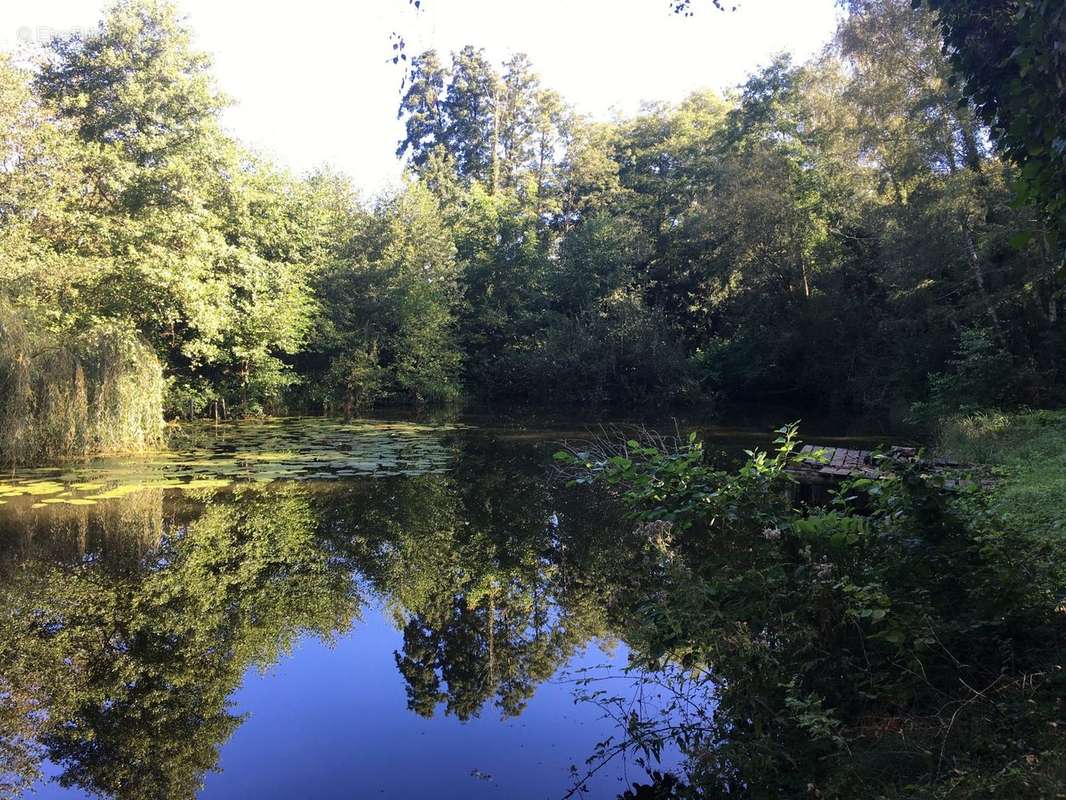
[{"x": 314, "y": 608}]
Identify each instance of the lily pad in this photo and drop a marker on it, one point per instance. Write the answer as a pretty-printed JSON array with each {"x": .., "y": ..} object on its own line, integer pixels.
[
  {"x": 206, "y": 483},
  {"x": 42, "y": 487},
  {"x": 258, "y": 452}
]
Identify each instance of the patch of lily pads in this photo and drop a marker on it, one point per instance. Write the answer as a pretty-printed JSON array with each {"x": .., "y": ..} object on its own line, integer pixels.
[{"x": 260, "y": 452}]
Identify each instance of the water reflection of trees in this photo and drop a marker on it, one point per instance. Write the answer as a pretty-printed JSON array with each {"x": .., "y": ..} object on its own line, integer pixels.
[
  {"x": 121, "y": 676},
  {"x": 126, "y": 626},
  {"x": 491, "y": 594},
  {"x": 120, "y": 532}
]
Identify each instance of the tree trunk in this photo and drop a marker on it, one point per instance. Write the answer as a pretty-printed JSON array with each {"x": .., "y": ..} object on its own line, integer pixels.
[
  {"x": 979, "y": 278},
  {"x": 969, "y": 145}
]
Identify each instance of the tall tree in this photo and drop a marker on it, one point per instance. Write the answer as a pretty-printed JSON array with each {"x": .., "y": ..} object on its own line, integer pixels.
[
  {"x": 424, "y": 106},
  {"x": 516, "y": 123},
  {"x": 551, "y": 133},
  {"x": 137, "y": 87},
  {"x": 388, "y": 304},
  {"x": 182, "y": 243},
  {"x": 472, "y": 109}
]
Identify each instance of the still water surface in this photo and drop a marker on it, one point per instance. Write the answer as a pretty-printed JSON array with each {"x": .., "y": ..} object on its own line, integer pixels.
[{"x": 309, "y": 608}]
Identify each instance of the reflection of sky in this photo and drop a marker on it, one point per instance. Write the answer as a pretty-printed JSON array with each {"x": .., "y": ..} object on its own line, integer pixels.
[{"x": 333, "y": 723}]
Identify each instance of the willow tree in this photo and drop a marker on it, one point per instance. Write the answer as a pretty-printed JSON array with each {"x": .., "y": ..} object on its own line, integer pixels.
[{"x": 100, "y": 390}]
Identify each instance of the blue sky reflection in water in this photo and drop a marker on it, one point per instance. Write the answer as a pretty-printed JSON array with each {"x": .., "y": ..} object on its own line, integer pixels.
[
  {"x": 332, "y": 722},
  {"x": 345, "y": 728},
  {"x": 411, "y": 635}
]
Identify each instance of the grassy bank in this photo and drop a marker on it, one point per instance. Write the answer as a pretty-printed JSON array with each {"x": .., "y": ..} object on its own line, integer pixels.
[{"x": 1028, "y": 449}]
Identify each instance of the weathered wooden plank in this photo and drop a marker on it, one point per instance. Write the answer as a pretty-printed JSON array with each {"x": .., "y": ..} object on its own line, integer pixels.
[
  {"x": 839, "y": 463},
  {"x": 834, "y": 464}
]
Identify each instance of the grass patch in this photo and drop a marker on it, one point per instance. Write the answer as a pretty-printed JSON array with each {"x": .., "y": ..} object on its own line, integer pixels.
[{"x": 1029, "y": 449}]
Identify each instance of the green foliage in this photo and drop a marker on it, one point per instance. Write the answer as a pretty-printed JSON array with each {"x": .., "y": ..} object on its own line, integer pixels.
[
  {"x": 977, "y": 377},
  {"x": 622, "y": 354},
  {"x": 838, "y": 223},
  {"x": 424, "y": 104},
  {"x": 886, "y": 651},
  {"x": 387, "y": 306},
  {"x": 1011, "y": 58},
  {"x": 153, "y": 216}
]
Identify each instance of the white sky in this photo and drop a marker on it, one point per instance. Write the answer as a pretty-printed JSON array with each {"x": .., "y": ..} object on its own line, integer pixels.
[{"x": 312, "y": 84}]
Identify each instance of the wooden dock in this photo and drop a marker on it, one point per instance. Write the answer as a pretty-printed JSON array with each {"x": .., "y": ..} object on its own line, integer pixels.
[{"x": 826, "y": 466}]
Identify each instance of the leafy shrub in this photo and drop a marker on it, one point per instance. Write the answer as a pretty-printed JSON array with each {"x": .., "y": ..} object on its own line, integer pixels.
[
  {"x": 978, "y": 377},
  {"x": 886, "y": 652}
]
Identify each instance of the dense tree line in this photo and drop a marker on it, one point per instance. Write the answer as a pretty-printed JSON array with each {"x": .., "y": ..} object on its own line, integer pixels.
[
  {"x": 840, "y": 230},
  {"x": 842, "y": 223}
]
